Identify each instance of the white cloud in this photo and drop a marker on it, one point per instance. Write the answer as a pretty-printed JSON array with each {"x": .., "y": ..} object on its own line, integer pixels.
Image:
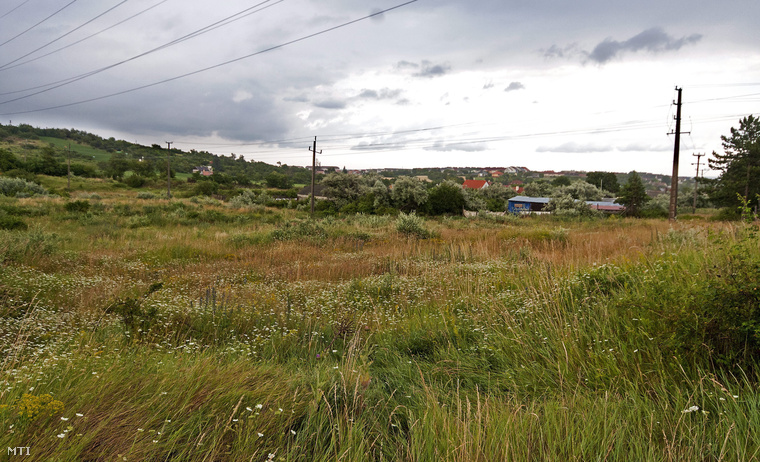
[{"x": 242, "y": 95}]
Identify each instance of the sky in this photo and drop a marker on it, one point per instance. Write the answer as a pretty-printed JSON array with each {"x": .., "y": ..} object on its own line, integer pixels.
[{"x": 545, "y": 84}]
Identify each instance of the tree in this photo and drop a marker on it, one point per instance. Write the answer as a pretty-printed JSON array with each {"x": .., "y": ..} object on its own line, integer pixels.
[
  {"x": 561, "y": 181},
  {"x": 581, "y": 190},
  {"x": 343, "y": 188},
  {"x": 496, "y": 197},
  {"x": 48, "y": 163},
  {"x": 739, "y": 165},
  {"x": 408, "y": 194},
  {"x": 446, "y": 199},
  {"x": 633, "y": 195},
  {"x": 603, "y": 180},
  {"x": 117, "y": 165},
  {"x": 563, "y": 204},
  {"x": 538, "y": 189},
  {"x": 8, "y": 161},
  {"x": 277, "y": 180}
]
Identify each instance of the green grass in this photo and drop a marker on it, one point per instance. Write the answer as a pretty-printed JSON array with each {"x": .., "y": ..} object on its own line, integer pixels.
[
  {"x": 97, "y": 155},
  {"x": 211, "y": 333}
]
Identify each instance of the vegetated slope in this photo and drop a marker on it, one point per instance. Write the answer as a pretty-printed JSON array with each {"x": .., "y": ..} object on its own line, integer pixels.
[{"x": 180, "y": 330}]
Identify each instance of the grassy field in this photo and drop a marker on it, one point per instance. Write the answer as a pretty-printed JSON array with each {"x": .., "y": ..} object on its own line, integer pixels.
[
  {"x": 156, "y": 330},
  {"x": 98, "y": 155}
]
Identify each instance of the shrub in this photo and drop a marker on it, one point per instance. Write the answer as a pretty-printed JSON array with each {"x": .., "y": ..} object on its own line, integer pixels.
[
  {"x": 11, "y": 223},
  {"x": 303, "y": 230},
  {"x": 249, "y": 199},
  {"x": 77, "y": 206},
  {"x": 146, "y": 195},
  {"x": 20, "y": 246},
  {"x": 135, "y": 181},
  {"x": 16, "y": 186},
  {"x": 411, "y": 225}
]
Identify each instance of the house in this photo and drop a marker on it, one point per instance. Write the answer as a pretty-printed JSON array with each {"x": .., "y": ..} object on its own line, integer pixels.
[
  {"x": 204, "y": 170},
  {"x": 475, "y": 184},
  {"x": 516, "y": 186},
  {"x": 606, "y": 206},
  {"x": 525, "y": 204}
]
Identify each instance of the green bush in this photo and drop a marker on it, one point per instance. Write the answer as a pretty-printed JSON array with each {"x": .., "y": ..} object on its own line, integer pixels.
[
  {"x": 411, "y": 225},
  {"x": 717, "y": 320},
  {"x": 11, "y": 223},
  {"x": 18, "y": 186},
  {"x": 77, "y": 206},
  {"x": 20, "y": 246},
  {"x": 135, "y": 181}
]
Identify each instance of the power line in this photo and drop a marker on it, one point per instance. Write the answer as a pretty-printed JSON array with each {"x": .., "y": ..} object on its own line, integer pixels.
[
  {"x": 14, "y": 9},
  {"x": 75, "y": 43},
  {"x": 27, "y": 30},
  {"x": 225, "y": 63},
  {"x": 64, "y": 35},
  {"x": 194, "y": 34}
]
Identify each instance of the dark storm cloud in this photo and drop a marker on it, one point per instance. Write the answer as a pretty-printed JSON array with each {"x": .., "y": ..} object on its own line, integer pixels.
[
  {"x": 331, "y": 104},
  {"x": 654, "y": 40},
  {"x": 432, "y": 70},
  {"x": 514, "y": 86},
  {"x": 556, "y": 51},
  {"x": 425, "y": 68}
]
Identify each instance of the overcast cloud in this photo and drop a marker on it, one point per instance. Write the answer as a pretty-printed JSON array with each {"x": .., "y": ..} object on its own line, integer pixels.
[{"x": 546, "y": 85}]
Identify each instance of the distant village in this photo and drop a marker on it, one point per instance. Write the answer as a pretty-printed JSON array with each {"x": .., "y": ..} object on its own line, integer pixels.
[{"x": 514, "y": 177}]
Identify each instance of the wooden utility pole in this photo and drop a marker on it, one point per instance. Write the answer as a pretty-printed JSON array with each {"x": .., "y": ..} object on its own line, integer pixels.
[
  {"x": 68, "y": 168},
  {"x": 676, "y": 152},
  {"x": 168, "y": 169},
  {"x": 313, "y": 150},
  {"x": 696, "y": 181}
]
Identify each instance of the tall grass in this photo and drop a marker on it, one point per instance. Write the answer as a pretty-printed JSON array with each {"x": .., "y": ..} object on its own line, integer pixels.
[{"x": 263, "y": 336}]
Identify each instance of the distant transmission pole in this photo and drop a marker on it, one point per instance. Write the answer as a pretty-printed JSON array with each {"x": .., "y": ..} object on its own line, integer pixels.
[
  {"x": 313, "y": 171},
  {"x": 696, "y": 181},
  {"x": 68, "y": 170},
  {"x": 676, "y": 152},
  {"x": 168, "y": 169}
]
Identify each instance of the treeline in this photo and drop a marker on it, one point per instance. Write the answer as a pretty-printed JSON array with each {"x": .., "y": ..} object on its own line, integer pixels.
[{"x": 143, "y": 162}]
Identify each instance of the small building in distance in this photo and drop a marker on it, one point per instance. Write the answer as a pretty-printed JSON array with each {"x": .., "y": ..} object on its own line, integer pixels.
[
  {"x": 606, "y": 206},
  {"x": 475, "y": 184},
  {"x": 525, "y": 204},
  {"x": 204, "y": 170}
]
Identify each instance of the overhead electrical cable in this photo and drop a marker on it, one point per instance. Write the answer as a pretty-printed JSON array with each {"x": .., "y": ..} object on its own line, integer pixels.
[
  {"x": 14, "y": 9},
  {"x": 75, "y": 43},
  {"x": 27, "y": 30},
  {"x": 216, "y": 66},
  {"x": 193, "y": 34},
  {"x": 64, "y": 35}
]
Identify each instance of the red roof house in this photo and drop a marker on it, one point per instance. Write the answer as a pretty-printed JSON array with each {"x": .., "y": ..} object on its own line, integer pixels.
[{"x": 475, "y": 184}]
